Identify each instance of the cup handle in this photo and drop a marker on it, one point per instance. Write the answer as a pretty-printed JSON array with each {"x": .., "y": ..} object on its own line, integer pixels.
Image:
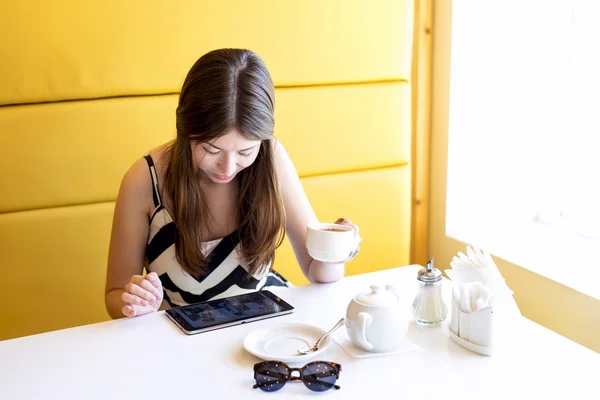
[{"x": 364, "y": 320}]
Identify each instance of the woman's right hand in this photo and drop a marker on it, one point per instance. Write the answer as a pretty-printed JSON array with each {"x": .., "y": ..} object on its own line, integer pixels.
[{"x": 142, "y": 295}]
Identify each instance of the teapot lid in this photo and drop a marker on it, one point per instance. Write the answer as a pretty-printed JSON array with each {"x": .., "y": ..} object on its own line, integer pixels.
[{"x": 378, "y": 296}]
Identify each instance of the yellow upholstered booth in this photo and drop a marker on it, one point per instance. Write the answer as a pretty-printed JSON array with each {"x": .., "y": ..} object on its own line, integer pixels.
[{"x": 87, "y": 87}]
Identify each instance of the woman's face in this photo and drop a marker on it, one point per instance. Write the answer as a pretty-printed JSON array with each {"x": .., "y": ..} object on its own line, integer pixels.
[{"x": 221, "y": 159}]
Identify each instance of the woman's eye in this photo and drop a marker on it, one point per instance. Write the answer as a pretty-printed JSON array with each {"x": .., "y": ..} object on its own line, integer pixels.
[
  {"x": 245, "y": 155},
  {"x": 210, "y": 152}
]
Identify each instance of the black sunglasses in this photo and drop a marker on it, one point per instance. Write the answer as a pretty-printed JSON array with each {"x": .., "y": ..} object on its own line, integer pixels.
[{"x": 318, "y": 376}]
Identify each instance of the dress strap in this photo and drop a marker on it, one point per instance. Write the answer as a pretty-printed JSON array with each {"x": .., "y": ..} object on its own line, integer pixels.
[{"x": 155, "y": 192}]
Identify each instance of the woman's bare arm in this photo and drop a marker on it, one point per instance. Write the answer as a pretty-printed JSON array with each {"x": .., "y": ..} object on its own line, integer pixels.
[
  {"x": 299, "y": 213},
  {"x": 128, "y": 238}
]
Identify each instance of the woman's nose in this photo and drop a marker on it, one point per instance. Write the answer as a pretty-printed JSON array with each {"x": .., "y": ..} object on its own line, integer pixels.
[{"x": 227, "y": 165}]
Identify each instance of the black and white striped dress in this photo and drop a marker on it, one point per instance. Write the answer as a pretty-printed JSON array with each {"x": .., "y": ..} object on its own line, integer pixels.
[{"x": 226, "y": 273}]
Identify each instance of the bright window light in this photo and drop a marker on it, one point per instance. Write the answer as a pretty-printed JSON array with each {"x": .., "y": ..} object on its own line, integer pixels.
[{"x": 524, "y": 134}]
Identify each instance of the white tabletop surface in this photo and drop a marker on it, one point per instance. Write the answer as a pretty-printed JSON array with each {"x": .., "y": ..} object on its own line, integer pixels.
[{"x": 150, "y": 358}]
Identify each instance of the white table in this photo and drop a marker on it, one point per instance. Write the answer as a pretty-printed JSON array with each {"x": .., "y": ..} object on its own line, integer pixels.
[{"x": 149, "y": 358}]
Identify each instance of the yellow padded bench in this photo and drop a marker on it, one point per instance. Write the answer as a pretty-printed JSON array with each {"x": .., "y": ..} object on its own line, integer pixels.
[{"x": 89, "y": 87}]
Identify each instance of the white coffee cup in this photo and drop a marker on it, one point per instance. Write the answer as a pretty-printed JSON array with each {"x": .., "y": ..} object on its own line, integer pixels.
[{"x": 329, "y": 242}]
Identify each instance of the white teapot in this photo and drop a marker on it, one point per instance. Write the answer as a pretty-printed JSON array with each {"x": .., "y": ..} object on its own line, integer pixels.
[{"x": 376, "y": 320}]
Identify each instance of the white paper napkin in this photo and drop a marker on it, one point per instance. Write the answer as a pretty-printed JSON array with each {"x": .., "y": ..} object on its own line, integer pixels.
[
  {"x": 478, "y": 266},
  {"x": 472, "y": 296},
  {"x": 341, "y": 337}
]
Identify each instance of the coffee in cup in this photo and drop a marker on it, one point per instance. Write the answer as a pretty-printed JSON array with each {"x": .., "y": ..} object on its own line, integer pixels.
[{"x": 329, "y": 242}]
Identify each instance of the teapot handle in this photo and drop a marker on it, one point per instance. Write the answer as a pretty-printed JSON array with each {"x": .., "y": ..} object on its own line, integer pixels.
[{"x": 364, "y": 320}]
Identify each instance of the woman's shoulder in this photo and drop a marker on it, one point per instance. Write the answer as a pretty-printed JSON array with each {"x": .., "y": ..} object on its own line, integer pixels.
[
  {"x": 137, "y": 181},
  {"x": 283, "y": 162},
  {"x": 138, "y": 173},
  {"x": 160, "y": 157}
]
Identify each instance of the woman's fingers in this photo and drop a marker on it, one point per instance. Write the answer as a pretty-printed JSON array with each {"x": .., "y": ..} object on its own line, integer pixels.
[
  {"x": 357, "y": 238},
  {"x": 142, "y": 295},
  {"x": 128, "y": 310},
  {"x": 137, "y": 290},
  {"x": 343, "y": 221},
  {"x": 148, "y": 285},
  {"x": 133, "y": 299},
  {"x": 135, "y": 311},
  {"x": 355, "y": 227},
  {"x": 153, "y": 278}
]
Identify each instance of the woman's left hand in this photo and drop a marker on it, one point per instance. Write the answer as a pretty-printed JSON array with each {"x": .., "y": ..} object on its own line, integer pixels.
[{"x": 347, "y": 222}]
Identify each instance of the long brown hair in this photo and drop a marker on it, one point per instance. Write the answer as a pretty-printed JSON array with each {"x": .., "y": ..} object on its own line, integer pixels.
[{"x": 226, "y": 89}]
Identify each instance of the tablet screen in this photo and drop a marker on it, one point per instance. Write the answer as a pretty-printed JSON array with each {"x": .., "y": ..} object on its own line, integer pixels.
[{"x": 227, "y": 310}]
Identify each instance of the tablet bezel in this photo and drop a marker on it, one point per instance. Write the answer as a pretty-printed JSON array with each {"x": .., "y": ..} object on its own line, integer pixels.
[{"x": 174, "y": 314}]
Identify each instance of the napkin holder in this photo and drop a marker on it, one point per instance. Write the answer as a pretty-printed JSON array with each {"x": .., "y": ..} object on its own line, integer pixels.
[{"x": 473, "y": 331}]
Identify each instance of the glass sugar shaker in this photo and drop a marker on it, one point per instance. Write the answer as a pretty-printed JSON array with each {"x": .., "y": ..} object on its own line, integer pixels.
[{"x": 429, "y": 308}]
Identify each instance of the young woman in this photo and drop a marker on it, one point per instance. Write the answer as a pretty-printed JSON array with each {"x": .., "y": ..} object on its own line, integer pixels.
[{"x": 205, "y": 212}]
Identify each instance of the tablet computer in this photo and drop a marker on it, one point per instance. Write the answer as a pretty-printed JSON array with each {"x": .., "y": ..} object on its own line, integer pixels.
[{"x": 222, "y": 313}]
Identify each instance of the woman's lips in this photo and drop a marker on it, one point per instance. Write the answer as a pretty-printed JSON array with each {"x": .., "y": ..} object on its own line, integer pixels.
[{"x": 223, "y": 177}]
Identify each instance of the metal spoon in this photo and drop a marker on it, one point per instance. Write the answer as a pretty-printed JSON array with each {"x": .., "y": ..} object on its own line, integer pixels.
[{"x": 315, "y": 347}]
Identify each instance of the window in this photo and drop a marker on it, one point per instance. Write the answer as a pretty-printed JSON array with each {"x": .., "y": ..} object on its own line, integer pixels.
[{"x": 524, "y": 134}]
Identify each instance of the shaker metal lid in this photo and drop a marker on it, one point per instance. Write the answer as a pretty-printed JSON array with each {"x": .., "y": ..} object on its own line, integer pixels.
[{"x": 429, "y": 273}]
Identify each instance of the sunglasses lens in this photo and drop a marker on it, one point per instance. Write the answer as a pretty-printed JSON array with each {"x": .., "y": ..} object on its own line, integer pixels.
[
  {"x": 271, "y": 377},
  {"x": 319, "y": 377}
]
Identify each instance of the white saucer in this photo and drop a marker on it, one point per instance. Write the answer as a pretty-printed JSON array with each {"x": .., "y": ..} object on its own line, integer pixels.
[{"x": 281, "y": 342}]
